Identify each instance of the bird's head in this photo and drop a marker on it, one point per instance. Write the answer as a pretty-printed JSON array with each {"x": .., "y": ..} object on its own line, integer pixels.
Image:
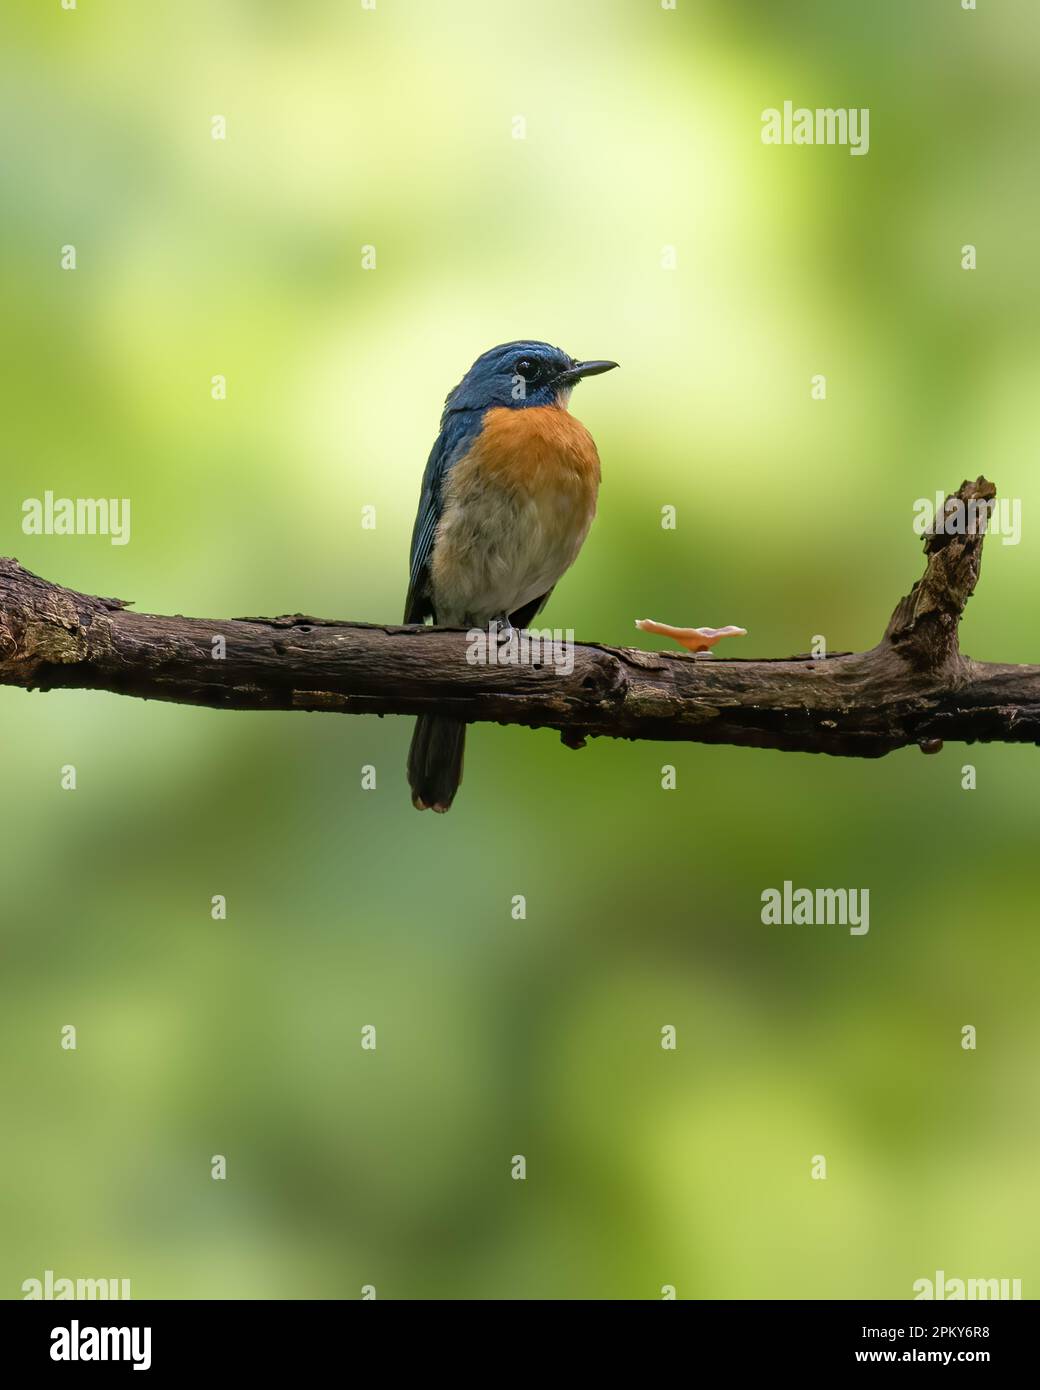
[{"x": 521, "y": 374}]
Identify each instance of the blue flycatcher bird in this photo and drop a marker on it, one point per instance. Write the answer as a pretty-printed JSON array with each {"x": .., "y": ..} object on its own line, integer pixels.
[{"x": 507, "y": 499}]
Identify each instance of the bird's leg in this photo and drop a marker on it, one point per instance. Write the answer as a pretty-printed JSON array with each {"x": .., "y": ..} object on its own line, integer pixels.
[{"x": 501, "y": 629}]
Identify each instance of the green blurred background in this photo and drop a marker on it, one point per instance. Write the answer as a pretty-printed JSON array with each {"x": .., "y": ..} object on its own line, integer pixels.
[{"x": 393, "y": 128}]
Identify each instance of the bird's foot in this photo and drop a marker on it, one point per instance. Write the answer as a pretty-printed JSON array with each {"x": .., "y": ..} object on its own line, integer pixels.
[
  {"x": 698, "y": 640},
  {"x": 502, "y": 629}
]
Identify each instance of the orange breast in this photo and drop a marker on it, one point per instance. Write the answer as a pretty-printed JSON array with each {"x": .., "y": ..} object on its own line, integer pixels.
[
  {"x": 516, "y": 510},
  {"x": 537, "y": 448}
]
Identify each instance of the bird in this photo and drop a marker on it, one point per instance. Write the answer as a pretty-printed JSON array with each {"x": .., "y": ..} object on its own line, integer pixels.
[{"x": 507, "y": 499}]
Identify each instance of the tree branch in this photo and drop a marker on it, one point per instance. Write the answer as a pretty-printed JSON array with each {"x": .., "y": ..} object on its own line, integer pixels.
[{"x": 913, "y": 687}]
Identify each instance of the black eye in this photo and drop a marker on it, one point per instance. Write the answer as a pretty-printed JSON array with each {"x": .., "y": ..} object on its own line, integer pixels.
[{"x": 528, "y": 368}]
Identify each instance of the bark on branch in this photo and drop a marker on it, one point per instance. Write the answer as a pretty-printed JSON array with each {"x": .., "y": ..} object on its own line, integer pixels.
[{"x": 915, "y": 686}]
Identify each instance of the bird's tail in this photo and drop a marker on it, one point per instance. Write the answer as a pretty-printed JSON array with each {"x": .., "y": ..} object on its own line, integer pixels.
[{"x": 435, "y": 761}]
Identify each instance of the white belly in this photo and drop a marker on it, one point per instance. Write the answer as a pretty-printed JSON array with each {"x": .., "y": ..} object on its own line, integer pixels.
[{"x": 504, "y": 549}]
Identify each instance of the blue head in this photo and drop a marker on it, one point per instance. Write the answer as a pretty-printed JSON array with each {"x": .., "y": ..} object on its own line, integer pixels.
[{"x": 521, "y": 374}]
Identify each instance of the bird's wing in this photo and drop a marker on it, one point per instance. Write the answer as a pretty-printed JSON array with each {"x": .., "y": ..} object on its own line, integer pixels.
[{"x": 457, "y": 433}]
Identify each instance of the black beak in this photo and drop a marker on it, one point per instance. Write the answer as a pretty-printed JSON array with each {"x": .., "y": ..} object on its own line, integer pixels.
[{"x": 580, "y": 369}]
